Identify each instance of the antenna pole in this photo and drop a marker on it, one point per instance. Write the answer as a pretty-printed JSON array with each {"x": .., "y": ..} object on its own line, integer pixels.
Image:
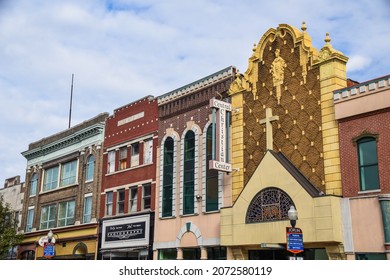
[{"x": 70, "y": 105}]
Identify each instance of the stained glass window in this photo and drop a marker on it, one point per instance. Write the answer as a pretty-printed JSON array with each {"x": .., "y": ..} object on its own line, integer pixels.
[{"x": 270, "y": 204}]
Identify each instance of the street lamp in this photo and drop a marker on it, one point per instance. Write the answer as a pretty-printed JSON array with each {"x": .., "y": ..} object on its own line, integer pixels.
[
  {"x": 292, "y": 215},
  {"x": 50, "y": 236}
]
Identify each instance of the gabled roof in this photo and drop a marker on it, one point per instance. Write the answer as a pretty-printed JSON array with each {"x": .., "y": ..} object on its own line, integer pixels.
[{"x": 301, "y": 179}]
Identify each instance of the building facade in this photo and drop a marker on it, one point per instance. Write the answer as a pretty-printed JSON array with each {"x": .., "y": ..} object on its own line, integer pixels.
[
  {"x": 363, "y": 114},
  {"x": 189, "y": 195},
  {"x": 129, "y": 181},
  {"x": 13, "y": 195},
  {"x": 285, "y": 148},
  {"x": 62, "y": 191}
]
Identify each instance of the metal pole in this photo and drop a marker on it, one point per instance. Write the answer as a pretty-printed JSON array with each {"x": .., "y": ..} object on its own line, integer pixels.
[{"x": 70, "y": 105}]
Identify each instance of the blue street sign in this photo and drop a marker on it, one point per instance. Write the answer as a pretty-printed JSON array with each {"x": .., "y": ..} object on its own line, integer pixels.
[
  {"x": 294, "y": 238},
  {"x": 49, "y": 250}
]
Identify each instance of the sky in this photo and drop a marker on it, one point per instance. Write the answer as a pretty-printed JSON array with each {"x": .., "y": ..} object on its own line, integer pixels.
[{"x": 122, "y": 50}]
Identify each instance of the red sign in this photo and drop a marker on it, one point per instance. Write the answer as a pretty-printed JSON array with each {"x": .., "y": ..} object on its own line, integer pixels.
[{"x": 294, "y": 237}]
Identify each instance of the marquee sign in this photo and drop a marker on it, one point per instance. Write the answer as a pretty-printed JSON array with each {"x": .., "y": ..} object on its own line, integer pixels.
[
  {"x": 220, "y": 162},
  {"x": 126, "y": 232}
]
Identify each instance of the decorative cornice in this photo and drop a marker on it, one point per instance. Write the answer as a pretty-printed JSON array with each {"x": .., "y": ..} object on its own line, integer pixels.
[
  {"x": 365, "y": 88},
  {"x": 197, "y": 85},
  {"x": 64, "y": 142}
]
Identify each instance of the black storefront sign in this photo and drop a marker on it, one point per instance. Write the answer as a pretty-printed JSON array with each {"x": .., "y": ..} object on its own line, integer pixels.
[{"x": 128, "y": 231}]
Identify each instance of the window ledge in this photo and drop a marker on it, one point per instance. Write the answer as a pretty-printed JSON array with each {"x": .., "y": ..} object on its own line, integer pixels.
[
  {"x": 128, "y": 169},
  {"x": 167, "y": 218},
  {"x": 370, "y": 191},
  {"x": 58, "y": 188},
  {"x": 188, "y": 215},
  {"x": 211, "y": 212}
]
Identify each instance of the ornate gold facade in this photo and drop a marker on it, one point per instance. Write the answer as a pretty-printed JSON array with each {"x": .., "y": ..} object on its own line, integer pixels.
[{"x": 287, "y": 74}]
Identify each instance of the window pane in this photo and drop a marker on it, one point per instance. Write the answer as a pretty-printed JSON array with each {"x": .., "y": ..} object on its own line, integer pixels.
[
  {"x": 51, "y": 179},
  {"x": 66, "y": 213},
  {"x": 109, "y": 197},
  {"x": 147, "y": 190},
  {"x": 48, "y": 215},
  {"x": 367, "y": 152},
  {"x": 68, "y": 173},
  {"x": 369, "y": 178},
  {"x": 30, "y": 217},
  {"x": 121, "y": 201},
  {"x": 135, "y": 154},
  {"x": 167, "y": 191},
  {"x": 87, "y": 209},
  {"x": 148, "y": 151},
  {"x": 90, "y": 168},
  {"x": 122, "y": 158},
  {"x": 133, "y": 199},
  {"x": 111, "y": 162},
  {"x": 33, "y": 184},
  {"x": 189, "y": 171},
  {"x": 368, "y": 164}
]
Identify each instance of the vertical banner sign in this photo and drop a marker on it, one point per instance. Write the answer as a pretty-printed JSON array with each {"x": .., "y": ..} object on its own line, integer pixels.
[
  {"x": 294, "y": 237},
  {"x": 220, "y": 162}
]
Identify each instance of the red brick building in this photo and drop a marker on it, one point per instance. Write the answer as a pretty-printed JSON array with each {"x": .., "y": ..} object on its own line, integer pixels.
[
  {"x": 363, "y": 114},
  {"x": 129, "y": 179},
  {"x": 189, "y": 194}
]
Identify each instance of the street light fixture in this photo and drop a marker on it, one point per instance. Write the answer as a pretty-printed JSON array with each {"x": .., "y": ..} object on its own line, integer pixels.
[
  {"x": 292, "y": 215},
  {"x": 50, "y": 236}
]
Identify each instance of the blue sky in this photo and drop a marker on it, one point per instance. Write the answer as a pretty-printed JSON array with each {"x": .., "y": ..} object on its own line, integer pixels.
[{"x": 122, "y": 50}]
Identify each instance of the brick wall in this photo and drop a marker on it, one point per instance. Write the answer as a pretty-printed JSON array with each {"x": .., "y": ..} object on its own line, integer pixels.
[{"x": 375, "y": 123}]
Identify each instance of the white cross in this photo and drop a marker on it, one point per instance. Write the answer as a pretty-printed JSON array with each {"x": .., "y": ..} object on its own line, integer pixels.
[{"x": 268, "y": 127}]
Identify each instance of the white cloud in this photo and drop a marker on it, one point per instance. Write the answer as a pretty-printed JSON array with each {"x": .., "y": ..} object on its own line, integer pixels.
[
  {"x": 358, "y": 62},
  {"x": 122, "y": 50}
]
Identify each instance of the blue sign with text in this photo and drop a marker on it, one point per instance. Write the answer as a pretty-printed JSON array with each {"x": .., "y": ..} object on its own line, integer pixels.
[
  {"x": 49, "y": 250},
  {"x": 294, "y": 238}
]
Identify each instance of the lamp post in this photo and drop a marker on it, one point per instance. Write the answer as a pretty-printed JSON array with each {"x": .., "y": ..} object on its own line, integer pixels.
[
  {"x": 50, "y": 236},
  {"x": 293, "y": 216}
]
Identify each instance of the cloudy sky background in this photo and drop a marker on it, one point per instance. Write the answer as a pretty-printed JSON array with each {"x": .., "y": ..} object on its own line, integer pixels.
[{"x": 122, "y": 50}]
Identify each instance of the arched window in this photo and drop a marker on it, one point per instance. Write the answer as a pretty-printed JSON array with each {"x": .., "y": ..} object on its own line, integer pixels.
[
  {"x": 90, "y": 168},
  {"x": 368, "y": 164},
  {"x": 211, "y": 176},
  {"x": 167, "y": 189},
  {"x": 189, "y": 173},
  {"x": 33, "y": 184},
  {"x": 270, "y": 204}
]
